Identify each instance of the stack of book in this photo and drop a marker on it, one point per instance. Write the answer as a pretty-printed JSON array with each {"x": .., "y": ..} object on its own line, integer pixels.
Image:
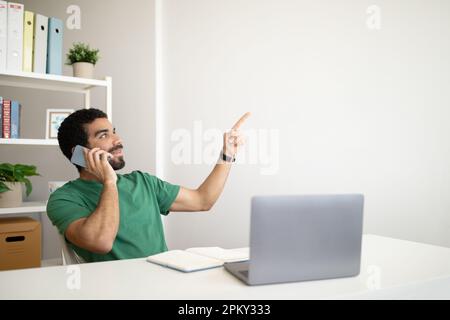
[
  {"x": 9, "y": 119},
  {"x": 29, "y": 42}
]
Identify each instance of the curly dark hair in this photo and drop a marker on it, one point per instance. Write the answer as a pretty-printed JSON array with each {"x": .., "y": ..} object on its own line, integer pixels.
[{"x": 73, "y": 131}]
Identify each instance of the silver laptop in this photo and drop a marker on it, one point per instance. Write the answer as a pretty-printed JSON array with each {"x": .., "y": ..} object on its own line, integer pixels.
[{"x": 298, "y": 238}]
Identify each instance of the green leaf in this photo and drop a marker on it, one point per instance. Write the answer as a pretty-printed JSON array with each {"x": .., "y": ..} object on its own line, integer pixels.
[
  {"x": 16, "y": 173},
  {"x": 28, "y": 186},
  {"x": 3, "y": 187}
]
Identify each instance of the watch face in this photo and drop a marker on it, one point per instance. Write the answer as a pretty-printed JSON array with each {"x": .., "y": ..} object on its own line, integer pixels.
[{"x": 228, "y": 158}]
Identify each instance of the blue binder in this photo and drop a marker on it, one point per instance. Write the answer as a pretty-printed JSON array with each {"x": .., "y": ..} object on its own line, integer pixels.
[
  {"x": 15, "y": 120},
  {"x": 54, "y": 47}
]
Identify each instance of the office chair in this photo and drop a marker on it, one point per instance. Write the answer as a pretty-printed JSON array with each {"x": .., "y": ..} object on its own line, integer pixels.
[{"x": 68, "y": 255}]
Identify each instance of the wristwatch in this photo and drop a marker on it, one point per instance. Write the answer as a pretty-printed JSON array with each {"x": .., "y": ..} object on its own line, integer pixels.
[{"x": 227, "y": 158}]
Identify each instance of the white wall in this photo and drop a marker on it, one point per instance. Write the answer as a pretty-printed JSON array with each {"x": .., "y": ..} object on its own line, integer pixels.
[{"x": 357, "y": 110}]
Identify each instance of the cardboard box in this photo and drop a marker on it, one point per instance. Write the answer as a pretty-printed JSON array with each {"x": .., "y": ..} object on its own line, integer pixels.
[{"x": 20, "y": 243}]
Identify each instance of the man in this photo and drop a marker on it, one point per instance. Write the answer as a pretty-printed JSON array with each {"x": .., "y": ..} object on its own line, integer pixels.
[{"x": 108, "y": 216}]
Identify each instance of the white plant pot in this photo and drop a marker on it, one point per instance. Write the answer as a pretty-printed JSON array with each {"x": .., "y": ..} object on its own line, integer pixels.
[
  {"x": 83, "y": 70},
  {"x": 12, "y": 198}
]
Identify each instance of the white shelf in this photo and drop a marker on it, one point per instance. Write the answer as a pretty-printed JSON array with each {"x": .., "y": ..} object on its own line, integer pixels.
[
  {"x": 27, "y": 207},
  {"x": 55, "y": 83},
  {"x": 50, "y": 81},
  {"x": 38, "y": 142}
]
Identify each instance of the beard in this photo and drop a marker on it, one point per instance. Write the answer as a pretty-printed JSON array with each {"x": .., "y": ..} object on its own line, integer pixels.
[{"x": 117, "y": 163}]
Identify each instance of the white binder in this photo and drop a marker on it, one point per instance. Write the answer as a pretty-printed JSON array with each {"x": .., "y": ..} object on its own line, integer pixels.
[
  {"x": 40, "y": 43},
  {"x": 15, "y": 37},
  {"x": 3, "y": 34}
]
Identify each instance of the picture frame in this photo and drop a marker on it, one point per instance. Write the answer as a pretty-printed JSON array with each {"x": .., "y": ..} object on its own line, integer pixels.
[{"x": 54, "y": 119}]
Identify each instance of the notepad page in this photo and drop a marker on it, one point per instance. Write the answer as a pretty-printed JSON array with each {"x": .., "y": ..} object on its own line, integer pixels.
[
  {"x": 184, "y": 260},
  {"x": 225, "y": 255}
]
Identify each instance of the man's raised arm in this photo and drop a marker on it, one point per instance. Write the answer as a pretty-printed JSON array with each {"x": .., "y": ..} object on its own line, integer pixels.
[{"x": 204, "y": 197}]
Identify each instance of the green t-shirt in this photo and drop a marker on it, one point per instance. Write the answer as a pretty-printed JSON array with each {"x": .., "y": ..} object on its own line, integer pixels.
[{"x": 142, "y": 198}]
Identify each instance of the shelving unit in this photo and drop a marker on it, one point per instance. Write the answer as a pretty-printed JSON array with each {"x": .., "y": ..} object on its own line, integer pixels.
[
  {"x": 55, "y": 83},
  {"x": 42, "y": 142},
  {"x": 27, "y": 207},
  {"x": 52, "y": 83}
]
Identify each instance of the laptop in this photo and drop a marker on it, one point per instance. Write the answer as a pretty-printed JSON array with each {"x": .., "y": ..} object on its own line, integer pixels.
[{"x": 302, "y": 237}]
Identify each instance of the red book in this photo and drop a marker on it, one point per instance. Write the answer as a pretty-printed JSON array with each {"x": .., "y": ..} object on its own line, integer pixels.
[{"x": 6, "y": 118}]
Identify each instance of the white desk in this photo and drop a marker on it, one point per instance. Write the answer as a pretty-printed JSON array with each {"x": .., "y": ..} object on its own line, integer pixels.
[{"x": 397, "y": 264}]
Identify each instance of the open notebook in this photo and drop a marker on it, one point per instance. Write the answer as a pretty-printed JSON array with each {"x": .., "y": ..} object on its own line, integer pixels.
[{"x": 195, "y": 259}]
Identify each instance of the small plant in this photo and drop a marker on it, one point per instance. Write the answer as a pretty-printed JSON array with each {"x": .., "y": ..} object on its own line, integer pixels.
[
  {"x": 81, "y": 52},
  {"x": 16, "y": 173}
]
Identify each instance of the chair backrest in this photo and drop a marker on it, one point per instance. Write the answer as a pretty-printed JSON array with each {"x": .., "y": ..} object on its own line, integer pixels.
[{"x": 68, "y": 255}]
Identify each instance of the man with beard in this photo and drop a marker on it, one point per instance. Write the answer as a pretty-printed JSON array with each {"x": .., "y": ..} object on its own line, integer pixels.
[{"x": 108, "y": 216}]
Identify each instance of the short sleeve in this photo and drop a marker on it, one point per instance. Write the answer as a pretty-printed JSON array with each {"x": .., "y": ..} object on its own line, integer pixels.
[
  {"x": 165, "y": 192},
  {"x": 62, "y": 210}
]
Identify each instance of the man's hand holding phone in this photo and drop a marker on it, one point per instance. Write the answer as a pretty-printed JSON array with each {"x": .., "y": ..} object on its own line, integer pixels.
[{"x": 96, "y": 162}]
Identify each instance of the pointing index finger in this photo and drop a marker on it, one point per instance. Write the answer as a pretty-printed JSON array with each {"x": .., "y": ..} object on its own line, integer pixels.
[{"x": 241, "y": 121}]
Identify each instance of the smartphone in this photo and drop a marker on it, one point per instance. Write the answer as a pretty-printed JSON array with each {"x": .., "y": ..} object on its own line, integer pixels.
[{"x": 78, "y": 156}]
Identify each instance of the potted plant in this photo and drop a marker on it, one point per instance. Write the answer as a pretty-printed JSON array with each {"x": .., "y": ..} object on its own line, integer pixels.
[
  {"x": 83, "y": 59},
  {"x": 12, "y": 177}
]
